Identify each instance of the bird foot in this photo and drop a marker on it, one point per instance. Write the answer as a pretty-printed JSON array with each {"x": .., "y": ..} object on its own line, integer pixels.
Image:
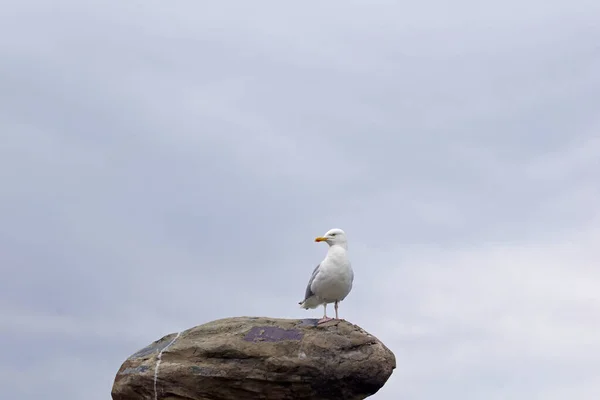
[{"x": 323, "y": 320}]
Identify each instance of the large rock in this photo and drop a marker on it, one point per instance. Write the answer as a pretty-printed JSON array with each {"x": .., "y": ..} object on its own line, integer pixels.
[{"x": 258, "y": 358}]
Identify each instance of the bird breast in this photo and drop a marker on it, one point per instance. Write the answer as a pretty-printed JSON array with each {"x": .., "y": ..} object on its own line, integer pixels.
[{"x": 334, "y": 280}]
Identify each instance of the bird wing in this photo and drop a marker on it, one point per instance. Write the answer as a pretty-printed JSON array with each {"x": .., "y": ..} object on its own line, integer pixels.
[{"x": 309, "y": 291}]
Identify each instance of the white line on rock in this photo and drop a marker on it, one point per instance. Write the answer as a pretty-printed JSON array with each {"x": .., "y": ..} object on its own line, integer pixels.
[{"x": 158, "y": 360}]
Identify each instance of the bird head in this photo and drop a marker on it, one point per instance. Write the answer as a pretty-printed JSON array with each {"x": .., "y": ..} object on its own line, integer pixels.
[{"x": 332, "y": 237}]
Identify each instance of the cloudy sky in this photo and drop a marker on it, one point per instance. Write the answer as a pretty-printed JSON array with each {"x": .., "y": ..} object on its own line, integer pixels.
[{"x": 165, "y": 164}]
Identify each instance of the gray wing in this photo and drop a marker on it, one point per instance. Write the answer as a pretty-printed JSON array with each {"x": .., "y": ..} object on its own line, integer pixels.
[{"x": 309, "y": 292}]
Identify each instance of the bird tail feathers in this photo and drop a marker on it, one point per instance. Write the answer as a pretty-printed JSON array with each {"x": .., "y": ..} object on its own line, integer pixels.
[{"x": 311, "y": 302}]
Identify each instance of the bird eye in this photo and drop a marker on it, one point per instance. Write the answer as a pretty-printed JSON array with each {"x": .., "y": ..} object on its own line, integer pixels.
[{"x": 333, "y": 234}]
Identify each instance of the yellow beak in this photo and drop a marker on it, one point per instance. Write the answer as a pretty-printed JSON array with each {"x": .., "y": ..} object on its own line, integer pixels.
[{"x": 320, "y": 239}]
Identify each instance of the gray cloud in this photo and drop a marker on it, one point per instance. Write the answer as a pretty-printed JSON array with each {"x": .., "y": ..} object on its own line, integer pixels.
[{"x": 163, "y": 167}]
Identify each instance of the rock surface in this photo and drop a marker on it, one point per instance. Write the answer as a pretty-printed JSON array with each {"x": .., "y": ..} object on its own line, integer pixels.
[{"x": 258, "y": 358}]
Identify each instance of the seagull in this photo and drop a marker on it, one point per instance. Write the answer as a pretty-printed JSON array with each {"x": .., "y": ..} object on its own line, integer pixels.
[{"x": 331, "y": 280}]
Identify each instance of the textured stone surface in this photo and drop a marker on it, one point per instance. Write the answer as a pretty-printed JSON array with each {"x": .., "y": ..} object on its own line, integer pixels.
[{"x": 258, "y": 358}]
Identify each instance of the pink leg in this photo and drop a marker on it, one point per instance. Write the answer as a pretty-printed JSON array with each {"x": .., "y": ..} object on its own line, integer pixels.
[
  {"x": 336, "y": 312},
  {"x": 325, "y": 317}
]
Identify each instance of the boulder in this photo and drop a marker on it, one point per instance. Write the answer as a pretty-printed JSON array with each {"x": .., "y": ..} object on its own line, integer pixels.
[{"x": 249, "y": 358}]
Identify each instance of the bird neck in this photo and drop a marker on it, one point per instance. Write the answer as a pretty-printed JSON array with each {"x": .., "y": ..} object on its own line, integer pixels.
[{"x": 338, "y": 248}]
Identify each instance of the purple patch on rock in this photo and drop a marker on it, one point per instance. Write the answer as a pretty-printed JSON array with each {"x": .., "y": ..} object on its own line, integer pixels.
[
  {"x": 309, "y": 322},
  {"x": 136, "y": 370},
  {"x": 155, "y": 347},
  {"x": 272, "y": 334}
]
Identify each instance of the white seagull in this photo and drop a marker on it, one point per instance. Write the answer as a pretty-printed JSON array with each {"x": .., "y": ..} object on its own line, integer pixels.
[{"x": 331, "y": 280}]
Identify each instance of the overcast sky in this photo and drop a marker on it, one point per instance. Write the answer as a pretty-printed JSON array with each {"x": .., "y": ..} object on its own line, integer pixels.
[{"x": 164, "y": 164}]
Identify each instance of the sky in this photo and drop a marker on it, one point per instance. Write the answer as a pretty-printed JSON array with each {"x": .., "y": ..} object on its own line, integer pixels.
[{"x": 166, "y": 164}]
